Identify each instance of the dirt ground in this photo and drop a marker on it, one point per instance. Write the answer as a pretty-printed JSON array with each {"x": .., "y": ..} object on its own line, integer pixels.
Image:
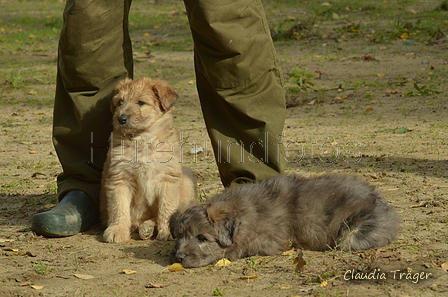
[{"x": 365, "y": 117}]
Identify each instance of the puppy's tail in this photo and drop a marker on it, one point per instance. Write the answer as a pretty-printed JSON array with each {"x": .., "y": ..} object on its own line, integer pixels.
[{"x": 377, "y": 227}]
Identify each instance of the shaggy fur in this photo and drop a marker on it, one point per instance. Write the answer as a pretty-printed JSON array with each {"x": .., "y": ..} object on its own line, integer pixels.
[
  {"x": 330, "y": 211},
  {"x": 143, "y": 181}
]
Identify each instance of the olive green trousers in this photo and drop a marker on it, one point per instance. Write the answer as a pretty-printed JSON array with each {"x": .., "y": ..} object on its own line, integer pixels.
[{"x": 238, "y": 81}]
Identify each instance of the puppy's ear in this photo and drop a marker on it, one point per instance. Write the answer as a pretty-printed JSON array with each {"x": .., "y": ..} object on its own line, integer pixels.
[
  {"x": 166, "y": 95},
  {"x": 222, "y": 216}
]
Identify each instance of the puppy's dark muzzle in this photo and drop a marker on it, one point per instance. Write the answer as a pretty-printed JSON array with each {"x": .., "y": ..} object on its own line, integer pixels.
[
  {"x": 123, "y": 119},
  {"x": 180, "y": 257}
]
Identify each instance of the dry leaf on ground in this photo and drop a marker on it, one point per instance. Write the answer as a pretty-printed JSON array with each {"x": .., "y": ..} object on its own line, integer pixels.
[
  {"x": 37, "y": 287},
  {"x": 444, "y": 266},
  {"x": 176, "y": 267},
  {"x": 299, "y": 261},
  {"x": 289, "y": 252},
  {"x": 9, "y": 249},
  {"x": 157, "y": 286},
  {"x": 83, "y": 276},
  {"x": 223, "y": 262},
  {"x": 249, "y": 277},
  {"x": 26, "y": 284}
]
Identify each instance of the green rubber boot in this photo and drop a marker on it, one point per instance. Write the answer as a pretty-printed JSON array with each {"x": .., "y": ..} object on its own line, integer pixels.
[{"x": 76, "y": 212}]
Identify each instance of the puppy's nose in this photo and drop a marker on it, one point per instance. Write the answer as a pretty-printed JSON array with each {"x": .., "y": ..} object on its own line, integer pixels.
[
  {"x": 180, "y": 257},
  {"x": 122, "y": 119}
]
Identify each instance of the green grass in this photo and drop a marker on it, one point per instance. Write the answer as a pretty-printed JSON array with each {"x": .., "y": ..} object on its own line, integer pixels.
[
  {"x": 29, "y": 33},
  {"x": 42, "y": 268},
  {"x": 160, "y": 27},
  {"x": 373, "y": 21}
]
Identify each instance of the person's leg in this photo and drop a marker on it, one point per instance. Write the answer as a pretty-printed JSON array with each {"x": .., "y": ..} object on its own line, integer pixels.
[
  {"x": 240, "y": 87},
  {"x": 95, "y": 52}
]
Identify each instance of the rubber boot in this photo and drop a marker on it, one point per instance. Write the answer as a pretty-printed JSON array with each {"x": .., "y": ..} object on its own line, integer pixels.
[{"x": 76, "y": 212}]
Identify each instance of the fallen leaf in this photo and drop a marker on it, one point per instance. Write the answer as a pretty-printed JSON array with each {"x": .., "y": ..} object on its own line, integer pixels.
[
  {"x": 83, "y": 276},
  {"x": 223, "y": 262},
  {"x": 26, "y": 284},
  {"x": 300, "y": 262},
  {"x": 6, "y": 240},
  {"x": 37, "y": 287},
  {"x": 36, "y": 174},
  {"x": 289, "y": 253},
  {"x": 32, "y": 152},
  {"x": 380, "y": 74},
  {"x": 31, "y": 254},
  {"x": 444, "y": 266},
  {"x": 127, "y": 271},
  {"x": 157, "y": 286},
  {"x": 249, "y": 277},
  {"x": 9, "y": 249},
  {"x": 324, "y": 283},
  {"x": 369, "y": 109},
  {"x": 176, "y": 267}
]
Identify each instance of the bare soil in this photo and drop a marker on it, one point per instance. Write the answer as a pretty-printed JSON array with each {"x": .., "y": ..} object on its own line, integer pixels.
[{"x": 365, "y": 117}]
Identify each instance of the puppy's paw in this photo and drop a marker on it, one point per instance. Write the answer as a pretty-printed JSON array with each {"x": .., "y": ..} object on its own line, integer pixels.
[
  {"x": 116, "y": 233},
  {"x": 164, "y": 235},
  {"x": 146, "y": 229}
]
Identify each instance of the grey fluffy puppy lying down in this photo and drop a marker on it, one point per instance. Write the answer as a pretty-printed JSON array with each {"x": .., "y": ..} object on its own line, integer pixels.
[{"x": 268, "y": 217}]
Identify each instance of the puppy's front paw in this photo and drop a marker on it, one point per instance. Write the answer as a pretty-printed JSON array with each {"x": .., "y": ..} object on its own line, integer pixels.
[
  {"x": 146, "y": 229},
  {"x": 116, "y": 233},
  {"x": 164, "y": 235}
]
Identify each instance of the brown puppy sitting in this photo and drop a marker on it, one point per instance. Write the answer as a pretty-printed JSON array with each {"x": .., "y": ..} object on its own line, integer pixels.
[
  {"x": 143, "y": 181},
  {"x": 266, "y": 218}
]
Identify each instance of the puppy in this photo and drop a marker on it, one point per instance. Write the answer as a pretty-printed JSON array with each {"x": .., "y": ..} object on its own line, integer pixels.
[
  {"x": 330, "y": 211},
  {"x": 143, "y": 182}
]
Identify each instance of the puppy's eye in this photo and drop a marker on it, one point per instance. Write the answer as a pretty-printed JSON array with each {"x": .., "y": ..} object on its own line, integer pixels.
[
  {"x": 120, "y": 102},
  {"x": 141, "y": 103},
  {"x": 201, "y": 238}
]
